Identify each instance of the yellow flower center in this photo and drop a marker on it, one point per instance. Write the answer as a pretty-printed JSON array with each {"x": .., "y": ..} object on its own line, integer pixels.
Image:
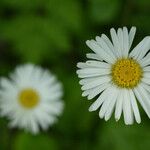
[
  {"x": 126, "y": 73},
  {"x": 29, "y": 98}
]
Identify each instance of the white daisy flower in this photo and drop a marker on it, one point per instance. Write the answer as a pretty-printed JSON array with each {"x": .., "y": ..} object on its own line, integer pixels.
[
  {"x": 118, "y": 76},
  {"x": 31, "y": 98}
]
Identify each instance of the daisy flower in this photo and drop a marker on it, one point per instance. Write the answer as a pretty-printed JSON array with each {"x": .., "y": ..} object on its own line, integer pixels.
[
  {"x": 117, "y": 76},
  {"x": 31, "y": 98}
]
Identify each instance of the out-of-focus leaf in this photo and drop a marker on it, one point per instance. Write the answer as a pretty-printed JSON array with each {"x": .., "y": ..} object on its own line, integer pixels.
[
  {"x": 68, "y": 12},
  {"x": 118, "y": 136},
  {"x": 103, "y": 11},
  {"x": 75, "y": 106},
  {"x": 39, "y": 142},
  {"x": 139, "y": 21},
  {"x": 5, "y": 134},
  {"x": 42, "y": 28},
  {"x": 24, "y": 4},
  {"x": 143, "y": 4},
  {"x": 34, "y": 38}
]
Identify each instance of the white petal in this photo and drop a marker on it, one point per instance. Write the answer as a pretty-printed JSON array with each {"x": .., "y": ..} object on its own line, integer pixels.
[
  {"x": 34, "y": 127},
  {"x": 127, "y": 110},
  {"x": 109, "y": 44},
  {"x": 82, "y": 65},
  {"x": 134, "y": 107},
  {"x": 145, "y": 48},
  {"x": 111, "y": 105},
  {"x": 120, "y": 38},
  {"x": 146, "y": 80},
  {"x": 93, "y": 56},
  {"x": 90, "y": 75},
  {"x": 95, "y": 91},
  {"x": 146, "y": 69},
  {"x": 146, "y": 75},
  {"x": 146, "y": 87},
  {"x": 92, "y": 72},
  {"x": 94, "y": 83},
  {"x": 143, "y": 99},
  {"x": 140, "y": 48},
  {"x": 91, "y": 93},
  {"x": 87, "y": 80},
  {"x": 98, "y": 64},
  {"x": 100, "y": 100},
  {"x": 115, "y": 41},
  {"x": 98, "y": 50},
  {"x": 93, "y": 64},
  {"x": 107, "y": 101},
  {"x": 104, "y": 46},
  {"x": 131, "y": 36},
  {"x": 119, "y": 105},
  {"x": 145, "y": 61},
  {"x": 86, "y": 93},
  {"x": 125, "y": 42}
]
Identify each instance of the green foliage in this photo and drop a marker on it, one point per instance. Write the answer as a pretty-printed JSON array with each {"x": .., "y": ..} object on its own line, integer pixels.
[
  {"x": 118, "y": 136},
  {"x": 27, "y": 141},
  {"x": 104, "y": 11},
  {"x": 41, "y": 27},
  {"x": 35, "y": 35}
]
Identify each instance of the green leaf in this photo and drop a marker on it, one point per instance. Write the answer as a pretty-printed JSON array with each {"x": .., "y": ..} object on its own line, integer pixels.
[
  {"x": 24, "y": 4},
  {"x": 143, "y": 4},
  {"x": 68, "y": 12},
  {"x": 29, "y": 142},
  {"x": 119, "y": 136},
  {"x": 139, "y": 20},
  {"x": 35, "y": 38},
  {"x": 103, "y": 11}
]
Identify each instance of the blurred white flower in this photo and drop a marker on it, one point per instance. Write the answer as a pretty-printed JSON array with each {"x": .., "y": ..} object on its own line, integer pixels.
[
  {"x": 31, "y": 98},
  {"x": 118, "y": 77}
]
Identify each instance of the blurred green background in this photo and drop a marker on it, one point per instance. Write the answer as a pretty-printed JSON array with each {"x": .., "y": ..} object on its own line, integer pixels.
[{"x": 52, "y": 33}]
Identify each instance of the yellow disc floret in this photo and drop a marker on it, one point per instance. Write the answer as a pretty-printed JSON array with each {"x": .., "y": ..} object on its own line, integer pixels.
[
  {"x": 126, "y": 73},
  {"x": 28, "y": 98}
]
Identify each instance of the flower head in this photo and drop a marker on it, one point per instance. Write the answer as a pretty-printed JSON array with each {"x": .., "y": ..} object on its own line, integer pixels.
[
  {"x": 117, "y": 76},
  {"x": 31, "y": 98}
]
